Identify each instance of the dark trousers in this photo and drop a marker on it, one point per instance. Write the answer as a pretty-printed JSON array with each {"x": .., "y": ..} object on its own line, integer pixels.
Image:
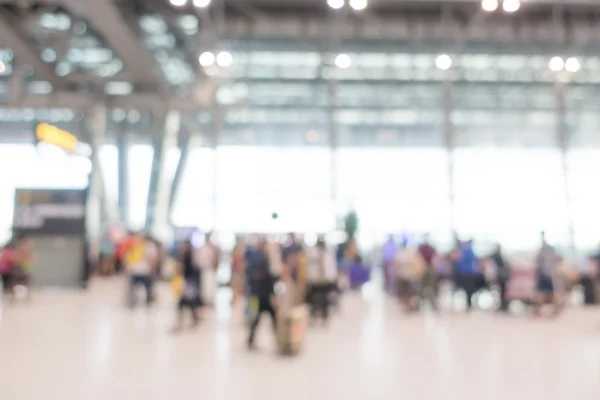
[
  {"x": 468, "y": 283},
  {"x": 147, "y": 282},
  {"x": 190, "y": 303},
  {"x": 6, "y": 280},
  {"x": 319, "y": 300},
  {"x": 503, "y": 285},
  {"x": 264, "y": 305}
]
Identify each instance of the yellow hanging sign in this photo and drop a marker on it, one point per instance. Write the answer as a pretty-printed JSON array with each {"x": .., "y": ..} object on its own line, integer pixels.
[{"x": 55, "y": 136}]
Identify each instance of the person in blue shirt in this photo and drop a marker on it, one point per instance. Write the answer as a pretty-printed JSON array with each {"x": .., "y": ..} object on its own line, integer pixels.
[{"x": 467, "y": 270}]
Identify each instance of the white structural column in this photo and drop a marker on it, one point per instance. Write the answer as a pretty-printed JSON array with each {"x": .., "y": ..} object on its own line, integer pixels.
[
  {"x": 562, "y": 134},
  {"x": 185, "y": 147},
  {"x": 124, "y": 141},
  {"x": 333, "y": 141},
  {"x": 98, "y": 202},
  {"x": 217, "y": 124},
  {"x": 164, "y": 184},
  {"x": 449, "y": 143}
]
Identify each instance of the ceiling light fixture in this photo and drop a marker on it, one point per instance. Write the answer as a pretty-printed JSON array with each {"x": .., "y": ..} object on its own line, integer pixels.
[
  {"x": 556, "y": 64},
  {"x": 343, "y": 61},
  {"x": 201, "y": 3},
  {"x": 336, "y": 4},
  {"x": 489, "y": 5},
  {"x": 443, "y": 62},
  {"x": 178, "y": 3},
  {"x": 224, "y": 59},
  {"x": 572, "y": 64},
  {"x": 206, "y": 59},
  {"x": 511, "y": 6},
  {"x": 2, "y": 67},
  {"x": 359, "y": 5}
]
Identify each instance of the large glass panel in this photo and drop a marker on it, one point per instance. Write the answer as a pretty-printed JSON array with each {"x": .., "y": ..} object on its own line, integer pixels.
[
  {"x": 140, "y": 164},
  {"x": 255, "y": 183},
  {"x": 109, "y": 161},
  {"x": 583, "y": 167},
  {"x": 24, "y": 167},
  {"x": 401, "y": 190},
  {"x": 509, "y": 196},
  {"x": 193, "y": 204}
]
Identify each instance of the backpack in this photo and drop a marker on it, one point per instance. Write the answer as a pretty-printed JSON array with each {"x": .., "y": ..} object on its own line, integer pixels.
[{"x": 7, "y": 260}]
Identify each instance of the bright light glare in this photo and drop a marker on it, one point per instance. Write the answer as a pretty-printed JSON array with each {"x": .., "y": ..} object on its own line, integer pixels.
[
  {"x": 224, "y": 59},
  {"x": 556, "y": 64},
  {"x": 335, "y": 4},
  {"x": 343, "y": 61},
  {"x": 489, "y": 5},
  {"x": 572, "y": 64},
  {"x": 511, "y": 5},
  {"x": 443, "y": 62},
  {"x": 201, "y": 3},
  {"x": 359, "y": 5},
  {"x": 2, "y": 67},
  {"x": 178, "y": 3},
  {"x": 206, "y": 59}
]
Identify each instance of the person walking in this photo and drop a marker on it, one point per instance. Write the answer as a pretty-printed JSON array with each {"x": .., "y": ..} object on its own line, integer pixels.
[
  {"x": 467, "y": 268},
  {"x": 261, "y": 286},
  {"x": 547, "y": 278},
  {"x": 322, "y": 275},
  {"x": 190, "y": 294},
  {"x": 238, "y": 265},
  {"x": 502, "y": 276},
  {"x": 409, "y": 269},
  {"x": 429, "y": 282},
  {"x": 140, "y": 259}
]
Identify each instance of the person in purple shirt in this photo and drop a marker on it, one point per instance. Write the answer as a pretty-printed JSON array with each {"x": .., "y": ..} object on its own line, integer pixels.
[
  {"x": 388, "y": 252},
  {"x": 429, "y": 284}
]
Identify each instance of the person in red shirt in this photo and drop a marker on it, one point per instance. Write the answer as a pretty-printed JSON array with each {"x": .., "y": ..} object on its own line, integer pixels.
[
  {"x": 429, "y": 281},
  {"x": 7, "y": 264}
]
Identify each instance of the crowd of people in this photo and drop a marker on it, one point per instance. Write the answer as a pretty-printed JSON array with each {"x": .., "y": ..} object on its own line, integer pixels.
[
  {"x": 414, "y": 272},
  {"x": 276, "y": 277}
]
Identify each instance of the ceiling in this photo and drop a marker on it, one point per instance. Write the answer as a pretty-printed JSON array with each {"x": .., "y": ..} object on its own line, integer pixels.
[{"x": 142, "y": 56}]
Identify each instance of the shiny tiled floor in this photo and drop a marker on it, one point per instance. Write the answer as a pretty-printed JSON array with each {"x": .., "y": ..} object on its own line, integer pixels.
[{"x": 73, "y": 346}]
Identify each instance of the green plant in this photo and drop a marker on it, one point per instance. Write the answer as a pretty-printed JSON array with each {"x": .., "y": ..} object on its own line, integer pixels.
[{"x": 351, "y": 224}]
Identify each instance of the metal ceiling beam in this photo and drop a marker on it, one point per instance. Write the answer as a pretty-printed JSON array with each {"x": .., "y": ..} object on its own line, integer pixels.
[
  {"x": 108, "y": 21},
  {"x": 419, "y": 29},
  {"x": 12, "y": 37}
]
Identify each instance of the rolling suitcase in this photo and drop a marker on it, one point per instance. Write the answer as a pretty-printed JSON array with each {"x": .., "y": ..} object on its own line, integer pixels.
[{"x": 291, "y": 329}]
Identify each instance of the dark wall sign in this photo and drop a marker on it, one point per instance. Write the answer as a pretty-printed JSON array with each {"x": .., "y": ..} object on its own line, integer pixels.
[{"x": 50, "y": 211}]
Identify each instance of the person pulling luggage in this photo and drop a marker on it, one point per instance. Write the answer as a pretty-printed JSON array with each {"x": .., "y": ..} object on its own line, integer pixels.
[
  {"x": 261, "y": 285},
  {"x": 322, "y": 277},
  {"x": 190, "y": 291}
]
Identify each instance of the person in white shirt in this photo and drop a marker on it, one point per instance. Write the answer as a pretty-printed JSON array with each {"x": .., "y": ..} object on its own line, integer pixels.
[
  {"x": 207, "y": 259},
  {"x": 322, "y": 275},
  {"x": 409, "y": 267},
  {"x": 141, "y": 260}
]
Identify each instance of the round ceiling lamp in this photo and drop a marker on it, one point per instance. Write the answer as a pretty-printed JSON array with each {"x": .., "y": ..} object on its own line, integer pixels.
[
  {"x": 359, "y": 5},
  {"x": 443, "y": 62},
  {"x": 224, "y": 59},
  {"x": 343, "y": 61},
  {"x": 510, "y": 6},
  {"x": 206, "y": 59},
  {"x": 572, "y": 64},
  {"x": 201, "y": 3},
  {"x": 336, "y": 4},
  {"x": 556, "y": 64},
  {"x": 489, "y": 5},
  {"x": 178, "y": 3}
]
